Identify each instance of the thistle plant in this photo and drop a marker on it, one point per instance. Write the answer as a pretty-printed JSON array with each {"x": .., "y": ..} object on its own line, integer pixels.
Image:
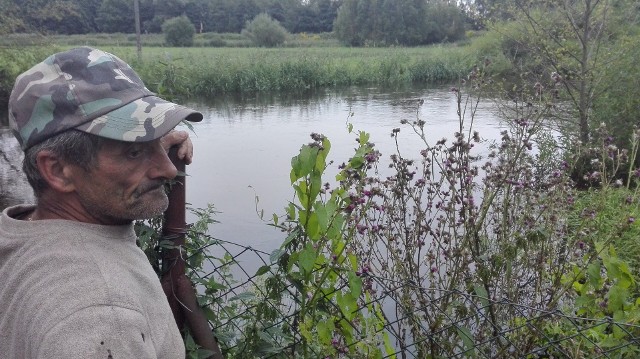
[{"x": 465, "y": 217}]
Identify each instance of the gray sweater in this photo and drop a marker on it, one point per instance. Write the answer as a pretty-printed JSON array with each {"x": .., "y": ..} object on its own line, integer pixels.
[{"x": 77, "y": 290}]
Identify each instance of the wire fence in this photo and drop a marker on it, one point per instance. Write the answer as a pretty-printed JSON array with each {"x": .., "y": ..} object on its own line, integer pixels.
[{"x": 239, "y": 299}]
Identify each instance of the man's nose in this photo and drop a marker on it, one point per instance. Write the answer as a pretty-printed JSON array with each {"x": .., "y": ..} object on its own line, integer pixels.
[{"x": 162, "y": 165}]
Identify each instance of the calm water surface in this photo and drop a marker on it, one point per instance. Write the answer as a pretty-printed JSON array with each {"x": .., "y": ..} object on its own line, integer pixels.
[{"x": 243, "y": 148}]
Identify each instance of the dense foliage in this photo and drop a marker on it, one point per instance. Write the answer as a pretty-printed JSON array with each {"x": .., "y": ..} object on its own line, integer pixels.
[
  {"x": 90, "y": 16},
  {"x": 371, "y": 22},
  {"x": 398, "y": 22},
  {"x": 178, "y": 31},
  {"x": 263, "y": 30}
]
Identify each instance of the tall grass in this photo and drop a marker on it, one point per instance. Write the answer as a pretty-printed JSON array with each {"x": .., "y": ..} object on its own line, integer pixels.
[
  {"x": 206, "y": 71},
  {"x": 202, "y": 72}
]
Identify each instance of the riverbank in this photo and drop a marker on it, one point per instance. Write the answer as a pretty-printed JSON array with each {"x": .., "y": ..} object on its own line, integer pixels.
[{"x": 182, "y": 73}]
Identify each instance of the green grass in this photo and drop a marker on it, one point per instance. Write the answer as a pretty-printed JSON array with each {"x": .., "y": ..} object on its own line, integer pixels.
[
  {"x": 210, "y": 71},
  {"x": 610, "y": 216}
]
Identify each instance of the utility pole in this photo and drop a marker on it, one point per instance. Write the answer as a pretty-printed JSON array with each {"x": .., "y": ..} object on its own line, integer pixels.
[{"x": 136, "y": 11}]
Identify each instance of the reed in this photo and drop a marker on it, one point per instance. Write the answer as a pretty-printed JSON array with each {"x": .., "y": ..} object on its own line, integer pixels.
[
  {"x": 201, "y": 72},
  {"x": 209, "y": 71}
]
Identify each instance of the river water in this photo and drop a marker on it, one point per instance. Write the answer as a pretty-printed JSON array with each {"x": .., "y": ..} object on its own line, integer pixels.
[{"x": 243, "y": 148}]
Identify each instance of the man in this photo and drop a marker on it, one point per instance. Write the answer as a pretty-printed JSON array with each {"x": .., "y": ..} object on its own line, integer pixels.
[{"x": 73, "y": 284}]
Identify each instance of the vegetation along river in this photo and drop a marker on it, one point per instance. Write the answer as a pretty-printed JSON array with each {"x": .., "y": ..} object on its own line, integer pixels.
[{"x": 243, "y": 148}]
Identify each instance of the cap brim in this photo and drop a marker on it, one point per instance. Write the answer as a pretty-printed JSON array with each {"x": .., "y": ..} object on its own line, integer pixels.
[{"x": 142, "y": 120}]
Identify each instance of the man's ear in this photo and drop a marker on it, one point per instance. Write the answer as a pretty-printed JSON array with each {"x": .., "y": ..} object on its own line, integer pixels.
[{"x": 55, "y": 172}]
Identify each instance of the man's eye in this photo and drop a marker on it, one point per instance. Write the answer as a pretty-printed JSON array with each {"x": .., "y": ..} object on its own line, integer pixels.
[{"x": 135, "y": 152}]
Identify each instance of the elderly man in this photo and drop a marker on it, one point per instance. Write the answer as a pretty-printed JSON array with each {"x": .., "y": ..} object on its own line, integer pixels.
[{"x": 73, "y": 284}]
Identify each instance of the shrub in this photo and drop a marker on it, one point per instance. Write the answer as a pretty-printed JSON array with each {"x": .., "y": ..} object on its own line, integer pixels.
[
  {"x": 265, "y": 31},
  {"x": 178, "y": 31}
]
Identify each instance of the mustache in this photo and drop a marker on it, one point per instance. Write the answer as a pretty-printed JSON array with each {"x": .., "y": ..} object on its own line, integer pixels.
[{"x": 148, "y": 187}]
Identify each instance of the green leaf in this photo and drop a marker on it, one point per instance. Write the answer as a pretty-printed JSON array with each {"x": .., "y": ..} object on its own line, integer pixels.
[
  {"x": 355, "y": 284},
  {"x": 303, "y": 164},
  {"x": 619, "y": 270},
  {"x": 357, "y": 162},
  {"x": 347, "y": 303},
  {"x": 467, "y": 339},
  {"x": 312, "y": 227},
  {"x": 364, "y": 138},
  {"x": 481, "y": 292},
  {"x": 321, "y": 213},
  {"x": 325, "y": 331},
  {"x": 617, "y": 298},
  {"x": 593, "y": 273},
  {"x": 275, "y": 255},
  {"x": 262, "y": 270},
  {"x": 307, "y": 258}
]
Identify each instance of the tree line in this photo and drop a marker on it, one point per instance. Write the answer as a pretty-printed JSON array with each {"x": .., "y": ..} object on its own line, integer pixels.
[
  {"x": 355, "y": 22},
  {"x": 109, "y": 16}
]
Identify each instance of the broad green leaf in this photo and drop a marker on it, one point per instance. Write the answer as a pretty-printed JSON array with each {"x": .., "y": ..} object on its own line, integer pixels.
[
  {"x": 275, "y": 255},
  {"x": 481, "y": 292},
  {"x": 467, "y": 339},
  {"x": 593, "y": 273},
  {"x": 355, "y": 284},
  {"x": 617, "y": 298},
  {"x": 262, "y": 270},
  {"x": 307, "y": 258},
  {"x": 325, "y": 330},
  {"x": 311, "y": 226},
  {"x": 617, "y": 269},
  {"x": 322, "y": 216},
  {"x": 348, "y": 304},
  {"x": 364, "y": 138},
  {"x": 302, "y": 164}
]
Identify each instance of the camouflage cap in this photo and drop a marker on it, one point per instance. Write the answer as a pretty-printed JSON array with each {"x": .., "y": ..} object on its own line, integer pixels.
[{"x": 92, "y": 91}]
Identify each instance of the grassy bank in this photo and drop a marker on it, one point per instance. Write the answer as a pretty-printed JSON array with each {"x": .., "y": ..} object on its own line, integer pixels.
[
  {"x": 211, "y": 71},
  {"x": 207, "y": 71}
]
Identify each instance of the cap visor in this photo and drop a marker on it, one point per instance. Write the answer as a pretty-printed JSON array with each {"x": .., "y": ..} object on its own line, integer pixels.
[{"x": 142, "y": 120}]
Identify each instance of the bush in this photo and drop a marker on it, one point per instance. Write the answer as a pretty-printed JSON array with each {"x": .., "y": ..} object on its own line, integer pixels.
[
  {"x": 178, "y": 31},
  {"x": 265, "y": 31}
]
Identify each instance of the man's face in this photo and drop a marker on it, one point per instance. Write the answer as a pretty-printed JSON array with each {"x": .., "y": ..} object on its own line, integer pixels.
[{"x": 127, "y": 183}]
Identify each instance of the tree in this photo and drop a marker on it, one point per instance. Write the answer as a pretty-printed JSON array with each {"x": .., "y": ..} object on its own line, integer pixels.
[
  {"x": 345, "y": 28},
  {"x": 178, "y": 31},
  {"x": 117, "y": 15},
  {"x": 570, "y": 41},
  {"x": 199, "y": 12},
  {"x": 445, "y": 22},
  {"x": 327, "y": 11},
  {"x": 10, "y": 21},
  {"x": 265, "y": 31},
  {"x": 397, "y": 22},
  {"x": 61, "y": 16}
]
